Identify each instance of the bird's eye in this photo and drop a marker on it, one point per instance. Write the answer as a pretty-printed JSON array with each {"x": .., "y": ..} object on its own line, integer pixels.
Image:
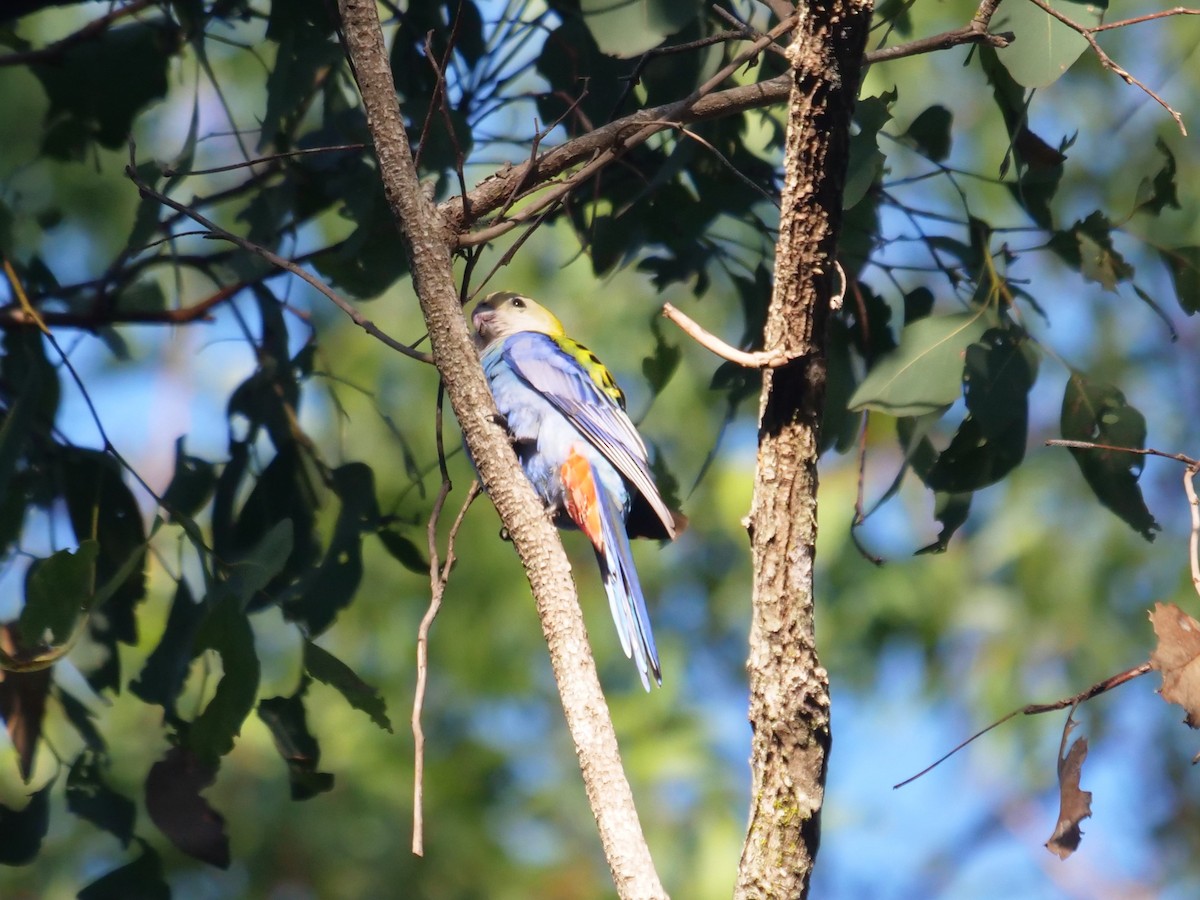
[{"x": 518, "y": 302}]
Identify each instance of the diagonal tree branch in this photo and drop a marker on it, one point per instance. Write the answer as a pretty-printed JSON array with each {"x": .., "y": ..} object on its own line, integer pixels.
[
  {"x": 496, "y": 191},
  {"x": 429, "y": 240}
]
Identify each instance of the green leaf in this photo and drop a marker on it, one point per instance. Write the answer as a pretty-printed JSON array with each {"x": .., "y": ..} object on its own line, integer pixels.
[
  {"x": 839, "y": 426},
  {"x": 191, "y": 486},
  {"x": 90, "y": 797},
  {"x": 1101, "y": 263},
  {"x": 141, "y": 879},
  {"x": 1184, "y": 266},
  {"x": 632, "y": 27},
  {"x": 1089, "y": 248},
  {"x": 1157, "y": 193},
  {"x": 102, "y": 508},
  {"x": 141, "y": 297},
  {"x": 80, "y": 718},
  {"x": 18, "y": 427},
  {"x": 286, "y": 718},
  {"x": 974, "y": 460},
  {"x": 301, "y": 62},
  {"x": 403, "y": 550},
  {"x": 951, "y": 510},
  {"x": 329, "y": 670},
  {"x": 660, "y": 365},
  {"x": 1040, "y": 166},
  {"x": 866, "y": 160},
  {"x": 135, "y": 57},
  {"x": 57, "y": 590},
  {"x": 999, "y": 373},
  {"x": 319, "y": 597},
  {"x": 173, "y": 801},
  {"x": 226, "y": 630},
  {"x": 924, "y": 373},
  {"x": 1043, "y": 48},
  {"x": 166, "y": 668},
  {"x": 930, "y": 132},
  {"x": 22, "y": 830},
  {"x": 1098, "y": 413},
  {"x": 247, "y": 576}
]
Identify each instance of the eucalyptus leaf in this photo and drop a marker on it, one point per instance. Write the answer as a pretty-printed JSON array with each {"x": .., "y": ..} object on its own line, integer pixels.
[{"x": 924, "y": 373}]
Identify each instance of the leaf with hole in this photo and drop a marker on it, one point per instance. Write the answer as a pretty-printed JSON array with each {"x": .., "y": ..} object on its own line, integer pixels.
[{"x": 1098, "y": 413}]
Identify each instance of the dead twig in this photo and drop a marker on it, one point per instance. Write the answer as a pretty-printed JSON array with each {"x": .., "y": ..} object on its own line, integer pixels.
[
  {"x": 750, "y": 359},
  {"x": 439, "y": 575},
  {"x": 1033, "y": 709}
]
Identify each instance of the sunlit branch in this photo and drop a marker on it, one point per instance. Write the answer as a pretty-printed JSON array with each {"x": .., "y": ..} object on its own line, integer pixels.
[{"x": 750, "y": 359}]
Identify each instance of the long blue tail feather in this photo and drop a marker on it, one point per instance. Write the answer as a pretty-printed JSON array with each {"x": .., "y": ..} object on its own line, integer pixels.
[{"x": 624, "y": 591}]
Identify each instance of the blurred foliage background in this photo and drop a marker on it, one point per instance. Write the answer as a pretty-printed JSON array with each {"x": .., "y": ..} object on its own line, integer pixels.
[{"x": 1040, "y": 593}]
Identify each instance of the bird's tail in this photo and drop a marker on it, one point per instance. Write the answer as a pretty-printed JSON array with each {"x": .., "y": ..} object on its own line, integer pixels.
[{"x": 599, "y": 515}]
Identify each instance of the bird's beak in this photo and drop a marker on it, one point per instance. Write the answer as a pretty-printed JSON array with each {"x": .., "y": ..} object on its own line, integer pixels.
[{"x": 482, "y": 316}]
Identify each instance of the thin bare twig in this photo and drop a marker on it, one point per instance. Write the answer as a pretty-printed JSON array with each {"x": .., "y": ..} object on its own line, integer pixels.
[
  {"x": 276, "y": 260},
  {"x": 439, "y": 576},
  {"x": 1137, "y": 451},
  {"x": 170, "y": 172},
  {"x": 750, "y": 359},
  {"x": 1149, "y": 17},
  {"x": 974, "y": 32},
  {"x": 1033, "y": 709}
]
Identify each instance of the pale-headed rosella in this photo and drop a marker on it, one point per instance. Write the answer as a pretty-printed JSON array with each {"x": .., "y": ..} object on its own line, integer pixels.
[{"x": 579, "y": 449}]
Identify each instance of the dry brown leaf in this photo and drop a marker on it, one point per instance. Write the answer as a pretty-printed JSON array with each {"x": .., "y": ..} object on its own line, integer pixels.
[
  {"x": 22, "y": 705},
  {"x": 1177, "y": 656},
  {"x": 173, "y": 800},
  {"x": 1074, "y": 805}
]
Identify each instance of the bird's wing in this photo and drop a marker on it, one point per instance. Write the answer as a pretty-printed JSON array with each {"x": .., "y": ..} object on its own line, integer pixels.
[{"x": 547, "y": 368}]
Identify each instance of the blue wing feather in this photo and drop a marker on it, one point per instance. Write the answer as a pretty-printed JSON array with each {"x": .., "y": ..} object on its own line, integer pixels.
[{"x": 540, "y": 361}]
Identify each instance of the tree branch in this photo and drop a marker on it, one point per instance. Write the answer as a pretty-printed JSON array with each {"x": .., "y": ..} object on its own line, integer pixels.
[
  {"x": 497, "y": 190},
  {"x": 276, "y": 260},
  {"x": 429, "y": 239}
]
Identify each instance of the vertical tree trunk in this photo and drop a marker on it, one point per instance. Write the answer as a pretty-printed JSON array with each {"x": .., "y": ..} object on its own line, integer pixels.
[{"x": 789, "y": 691}]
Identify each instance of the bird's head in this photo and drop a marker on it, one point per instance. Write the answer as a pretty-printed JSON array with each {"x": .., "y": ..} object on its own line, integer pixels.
[{"x": 504, "y": 312}]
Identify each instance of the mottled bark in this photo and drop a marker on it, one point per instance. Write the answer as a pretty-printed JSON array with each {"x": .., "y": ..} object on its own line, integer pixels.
[
  {"x": 429, "y": 241},
  {"x": 789, "y": 691}
]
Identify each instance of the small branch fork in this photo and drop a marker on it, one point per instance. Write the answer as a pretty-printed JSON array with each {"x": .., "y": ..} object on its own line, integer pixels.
[
  {"x": 1113, "y": 681},
  {"x": 1089, "y": 35},
  {"x": 439, "y": 576}
]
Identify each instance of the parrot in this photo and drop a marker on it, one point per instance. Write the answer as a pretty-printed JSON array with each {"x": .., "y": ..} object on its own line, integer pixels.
[{"x": 566, "y": 417}]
